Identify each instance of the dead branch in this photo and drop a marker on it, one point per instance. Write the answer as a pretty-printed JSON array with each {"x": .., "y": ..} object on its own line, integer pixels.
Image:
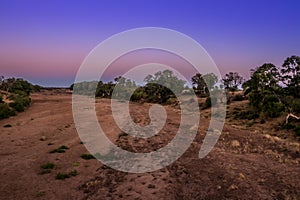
[{"x": 290, "y": 115}]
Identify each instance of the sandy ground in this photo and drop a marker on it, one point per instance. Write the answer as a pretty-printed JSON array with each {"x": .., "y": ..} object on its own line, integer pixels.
[{"x": 245, "y": 164}]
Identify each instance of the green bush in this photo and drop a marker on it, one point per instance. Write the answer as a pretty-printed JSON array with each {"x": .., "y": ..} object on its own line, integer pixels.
[
  {"x": 48, "y": 166},
  {"x": 5, "y": 111},
  {"x": 62, "y": 176},
  {"x": 296, "y": 105},
  {"x": 61, "y": 149},
  {"x": 20, "y": 102},
  {"x": 255, "y": 99},
  {"x": 288, "y": 126},
  {"x": 210, "y": 101},
  {"x": 238, "y": 97},
  {"x": 87, "y": 156},
  {"x": 137, "y": 95},
  {"x": 262, "y": 121},
  {"x": 273, "y": 109}
]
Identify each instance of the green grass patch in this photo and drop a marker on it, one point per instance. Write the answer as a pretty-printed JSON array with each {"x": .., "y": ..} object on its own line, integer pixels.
[
  {"x": 48, "y": 166},
  {"x": 61, "y": 149},
  {"x": 87, "y": 156},
  {"x": 62, "y": 176}
]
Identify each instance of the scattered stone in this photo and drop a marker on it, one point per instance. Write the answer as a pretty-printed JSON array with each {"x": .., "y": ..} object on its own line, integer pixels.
[
  {"x": 43, "y": 138},
  {"x": 233, "y": 187},
  {"x": 194, "y": 128},
  {"x": 242, "y": 176},
  {"x": 235, "y": 143},
  {"x": 151, "y": 186},
  {"x": 219, "y": 187}
]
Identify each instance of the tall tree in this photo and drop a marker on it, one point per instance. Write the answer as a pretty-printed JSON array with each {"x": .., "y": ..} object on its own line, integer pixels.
[
  {"x": 203, "y": 83},
  {"x": 291, "y": 75},
  {"x": 232, "y": 80},
  {"x": 265, "y": 77},
  {"x": 198, "y": 83},
  {"x": 210, "y": 79},
  {"x": 264, "y": 90},
  {"x": 158, "y": 87}
]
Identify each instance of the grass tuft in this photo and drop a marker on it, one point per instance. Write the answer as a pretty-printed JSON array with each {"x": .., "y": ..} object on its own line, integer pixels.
[
  {"x": 61, "y": 149},
  {"x": 62, "y": 176},
  {"x": 48, "y": 166},
  {"x": 87, "y": 156}
]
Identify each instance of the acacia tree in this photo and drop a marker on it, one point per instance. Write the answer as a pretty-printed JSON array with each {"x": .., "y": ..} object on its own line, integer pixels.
[
  {"x": 264, "y": 90},
  {"x": 265, "y": 77},
  {"x": 198, "y": 83},
  {"x": 210, "y": 80},
  {"x": 203, "y": 83},
  {"x": 157, "y": 86},
  {"x": 232, "y": 80},
  {"x": 291, "y": 75}
]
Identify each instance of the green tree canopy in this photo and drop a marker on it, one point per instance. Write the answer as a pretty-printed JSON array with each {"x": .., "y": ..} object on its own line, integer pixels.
[
  {"x": 232, "y": 80},
  {"x": 291, "y": 75}
]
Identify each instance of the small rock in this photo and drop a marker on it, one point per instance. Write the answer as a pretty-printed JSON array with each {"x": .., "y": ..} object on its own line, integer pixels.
[
  {"x": 194, "y": 128},
  {"x": 219, "y": 187},
  {"x": 242, "y": 176},
  {"x": 235, "y": 143},
  {"x": 233, "y": 187},
  {"x": 151, "y": 186},
  {"x": 43, "y": 138}
]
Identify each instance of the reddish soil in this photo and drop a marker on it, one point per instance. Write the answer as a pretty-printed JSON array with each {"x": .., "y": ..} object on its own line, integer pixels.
[{"x": 247, "y": 162}]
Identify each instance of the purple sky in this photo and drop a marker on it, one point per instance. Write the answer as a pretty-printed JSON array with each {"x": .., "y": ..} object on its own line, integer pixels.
[{"x": 46, "y": 41}]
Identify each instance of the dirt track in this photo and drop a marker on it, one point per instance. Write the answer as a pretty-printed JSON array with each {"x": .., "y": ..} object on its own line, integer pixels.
[{"x": 245, "y": 164}]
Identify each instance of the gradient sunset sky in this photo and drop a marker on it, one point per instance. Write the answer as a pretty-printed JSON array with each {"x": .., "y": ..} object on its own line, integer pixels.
[{"x": 46, "y": 41}]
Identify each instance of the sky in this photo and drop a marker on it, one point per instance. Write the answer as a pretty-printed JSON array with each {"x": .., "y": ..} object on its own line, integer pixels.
[{"x": 45, "y": 41}]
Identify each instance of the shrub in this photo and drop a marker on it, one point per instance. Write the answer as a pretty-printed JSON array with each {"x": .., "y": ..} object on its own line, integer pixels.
[
  {"x": 288, "y": 126},
  {"x": 171, "y": 101},
  {"x": 5, "y": 111},
  {"x": 238, "y": 97},
  {"x": 262, "y": 121},
  {"x": 296, "y": 105},
  {"x": 137, "y": 95},
  {"x": 48, "y": 166},
  {"x": 87, "y": 156},
  {"x": 273, "y": 109},
  {"x": 62, "y": 176},
  {"x": 210, "y": 101},
  {"x": 61, "y": 149},
  {"x": 20, "y": 102},
  {"x": 73, "y": 173}
]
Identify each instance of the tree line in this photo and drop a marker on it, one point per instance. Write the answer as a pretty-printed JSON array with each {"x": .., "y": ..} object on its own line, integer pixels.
[{"x": 271, "y": 90}]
